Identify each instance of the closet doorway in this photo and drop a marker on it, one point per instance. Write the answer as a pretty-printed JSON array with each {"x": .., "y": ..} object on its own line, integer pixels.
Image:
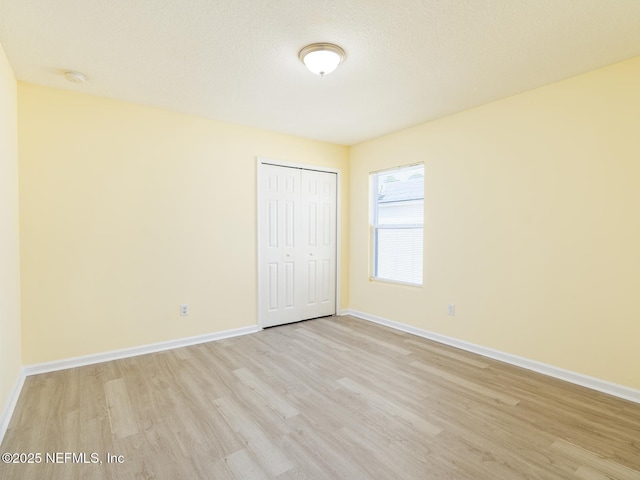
[{"x": 297, "y": 243}]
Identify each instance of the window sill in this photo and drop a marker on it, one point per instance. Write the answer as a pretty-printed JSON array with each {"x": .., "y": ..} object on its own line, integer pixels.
[{"x": 395, "y": 282}]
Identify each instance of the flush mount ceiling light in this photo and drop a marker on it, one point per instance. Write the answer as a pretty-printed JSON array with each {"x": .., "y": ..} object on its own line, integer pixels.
[
  {"x": 75, "y": 77},
  {"x": 322, "y": 58}
]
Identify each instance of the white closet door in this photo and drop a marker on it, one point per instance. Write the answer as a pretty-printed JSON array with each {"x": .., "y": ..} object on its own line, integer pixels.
[
  {"x": 318, "y": 249},
  {"x": 297, "y": 244}
]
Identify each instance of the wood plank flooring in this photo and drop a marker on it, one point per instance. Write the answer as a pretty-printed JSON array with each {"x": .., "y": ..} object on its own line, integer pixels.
[{"x": 333, "y": 398}]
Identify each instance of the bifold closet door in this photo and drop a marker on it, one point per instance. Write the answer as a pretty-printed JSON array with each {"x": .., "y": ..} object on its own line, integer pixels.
[{"x": 297, "y": 244}]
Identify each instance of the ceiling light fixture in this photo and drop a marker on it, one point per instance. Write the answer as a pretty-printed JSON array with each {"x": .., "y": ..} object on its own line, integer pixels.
[
  {"x": 75, "y": 77},
  {"x": 322, "y": 58}
]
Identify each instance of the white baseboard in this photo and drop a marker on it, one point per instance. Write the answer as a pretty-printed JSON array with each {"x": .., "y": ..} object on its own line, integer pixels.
[
  {"x": 10, "y": 406},
  {"x": 135, "y": 351},
  {"x": 603, "y": 386}
]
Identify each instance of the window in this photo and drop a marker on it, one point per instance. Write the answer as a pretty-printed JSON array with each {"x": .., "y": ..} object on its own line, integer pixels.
[{"x": 397, "y": 224}]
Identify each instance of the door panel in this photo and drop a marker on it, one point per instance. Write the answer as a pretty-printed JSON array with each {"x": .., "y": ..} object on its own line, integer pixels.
[
  {"x": 273, "y": 287},
  {"x": 290, "y": 285},
  {"x": 298, "y": 244},
  {"x": 311, "y": 284},
  {"x": 280, "y": 189},
  {"x": 319, "y": 198},
  {"x": 326, "y": 281},
  {"x": 289, "y": 223}
]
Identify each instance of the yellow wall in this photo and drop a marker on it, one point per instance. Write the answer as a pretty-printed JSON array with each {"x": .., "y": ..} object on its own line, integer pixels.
[
  {"x": 9, "y": 251},
  {"x": 532, "y": 225},
  {"x": 128, "y": 211}
]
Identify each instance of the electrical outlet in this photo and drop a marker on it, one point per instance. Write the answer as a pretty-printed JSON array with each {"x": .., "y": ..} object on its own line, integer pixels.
[
  {"x": 451, "y": 309},
  {"x": 184, "y": 310}
]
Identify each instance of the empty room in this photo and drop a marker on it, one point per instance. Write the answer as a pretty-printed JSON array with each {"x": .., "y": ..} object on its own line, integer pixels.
[{"x": 358, "y": 240}]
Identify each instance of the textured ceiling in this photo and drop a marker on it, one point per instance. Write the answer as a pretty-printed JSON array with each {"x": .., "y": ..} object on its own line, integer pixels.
[{"x": 408, "y": 61}]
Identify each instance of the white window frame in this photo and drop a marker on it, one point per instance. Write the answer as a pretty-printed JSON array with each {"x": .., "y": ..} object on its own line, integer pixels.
[{"x": 375, "y": 226}]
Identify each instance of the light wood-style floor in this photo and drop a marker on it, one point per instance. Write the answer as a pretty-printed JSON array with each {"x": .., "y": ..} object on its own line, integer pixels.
[{"x": 333, "y": 398}]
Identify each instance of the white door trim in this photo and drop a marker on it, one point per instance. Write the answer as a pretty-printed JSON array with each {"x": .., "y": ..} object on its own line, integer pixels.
[{"x": 260, "y": 161}]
